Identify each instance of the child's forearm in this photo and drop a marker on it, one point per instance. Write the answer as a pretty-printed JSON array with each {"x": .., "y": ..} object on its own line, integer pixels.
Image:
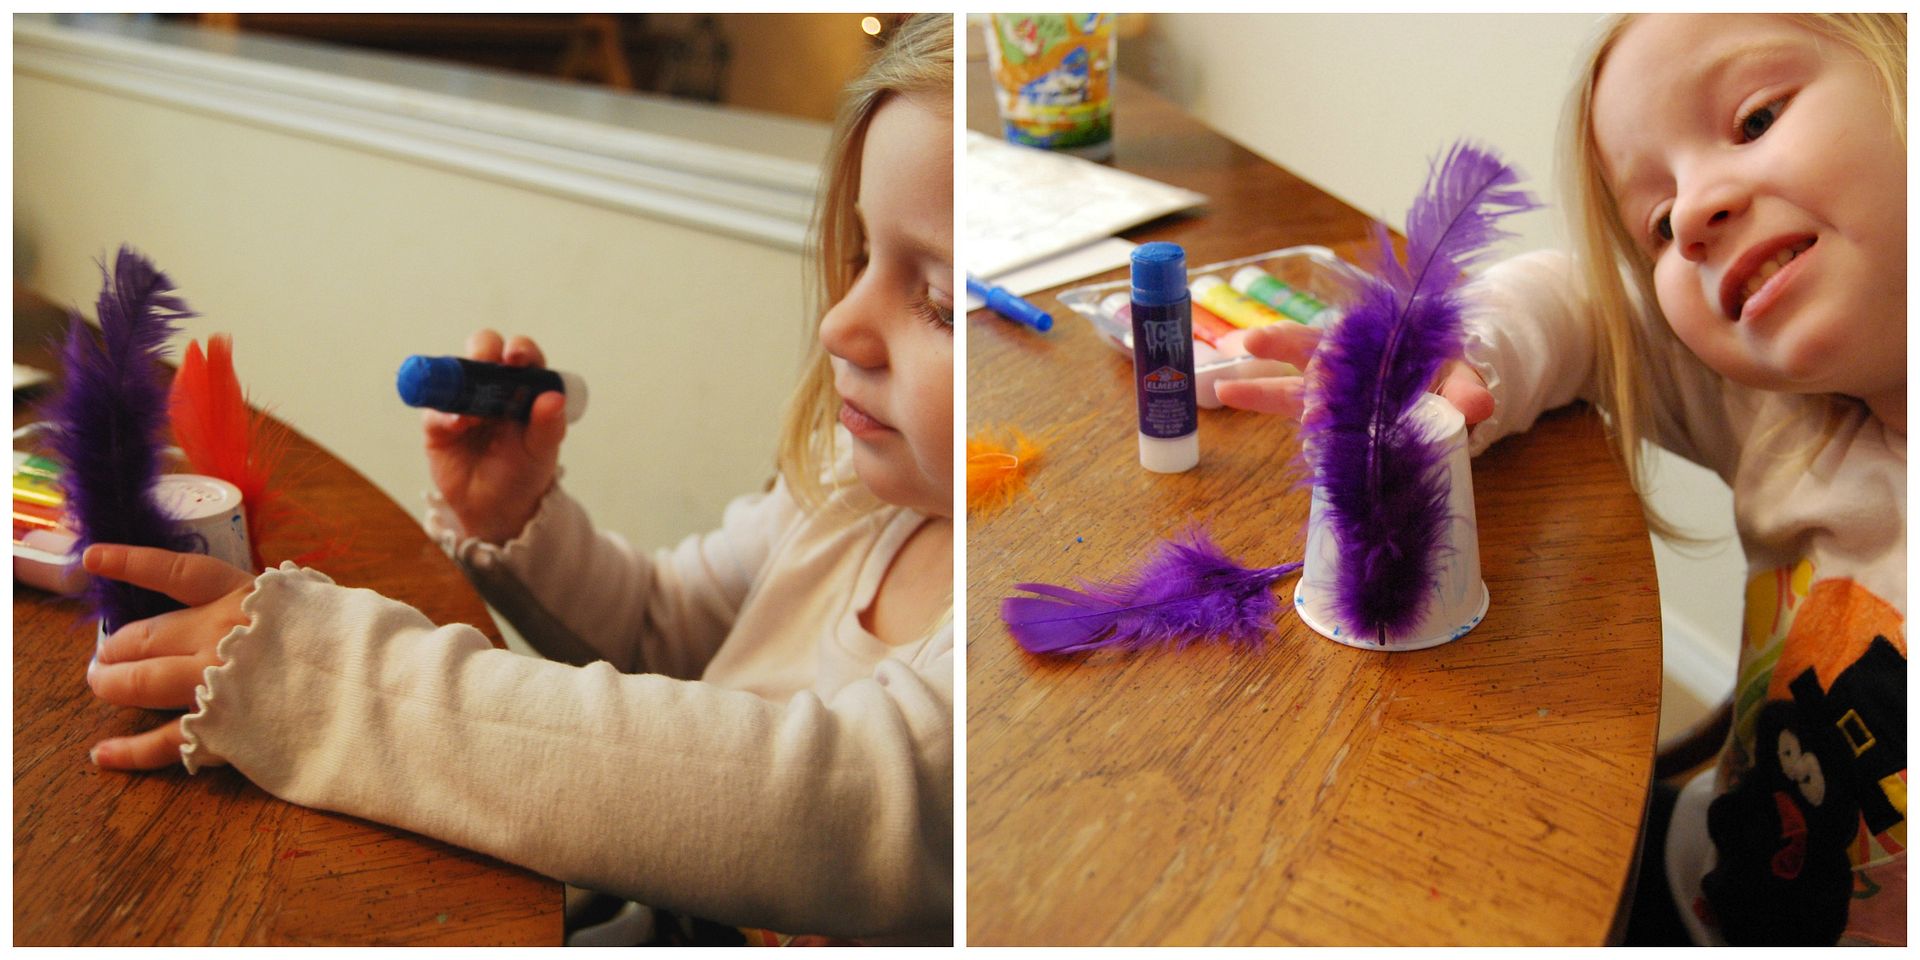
[
  {"x": 1530, "y": 337},
  {"x": 830, "y": 817}
]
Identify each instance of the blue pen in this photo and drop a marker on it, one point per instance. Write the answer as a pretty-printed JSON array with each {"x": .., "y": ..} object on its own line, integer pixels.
[{"x": 1002, "y": 301}]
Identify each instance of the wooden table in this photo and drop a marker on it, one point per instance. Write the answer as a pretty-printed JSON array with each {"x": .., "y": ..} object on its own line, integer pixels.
[
  {"x": 1487, "y": 791},
  {"x": 102, "y": 857}
]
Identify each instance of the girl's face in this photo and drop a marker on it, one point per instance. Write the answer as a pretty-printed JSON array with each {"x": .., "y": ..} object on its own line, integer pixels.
[
  {"x": 891, "y": 338},
  {"x": 1756, "y": 163}
]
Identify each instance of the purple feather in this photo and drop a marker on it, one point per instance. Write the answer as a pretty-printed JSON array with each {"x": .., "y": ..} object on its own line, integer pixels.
[
  {"x": 1187, "y": 590},
  {"x": 1384, "y": 478},
  {"x": 111, "y": 418}
]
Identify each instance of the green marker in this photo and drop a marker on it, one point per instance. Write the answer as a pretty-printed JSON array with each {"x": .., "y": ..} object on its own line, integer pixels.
[{"x": 1267, "y": 289}]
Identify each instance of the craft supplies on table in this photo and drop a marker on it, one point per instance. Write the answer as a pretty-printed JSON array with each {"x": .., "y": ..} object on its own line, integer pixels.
[{"x": 1218, "y": 354}]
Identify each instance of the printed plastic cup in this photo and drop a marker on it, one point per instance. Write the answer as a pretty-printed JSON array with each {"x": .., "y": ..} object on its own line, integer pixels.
[
  {"x": 209, "y": 507},
  {"x": 1459, "y": 598},
  {"x": 1052, "y": 77}
]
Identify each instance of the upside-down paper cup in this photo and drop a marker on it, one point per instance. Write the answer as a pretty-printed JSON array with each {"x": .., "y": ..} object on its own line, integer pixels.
[
  {"x": 1459, "y": 597},
  {"x": 211, "y": 510}
]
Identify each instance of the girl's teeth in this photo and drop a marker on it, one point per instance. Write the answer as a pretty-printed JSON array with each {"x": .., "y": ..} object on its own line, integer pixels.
[{"x": 1768, "y": 269}]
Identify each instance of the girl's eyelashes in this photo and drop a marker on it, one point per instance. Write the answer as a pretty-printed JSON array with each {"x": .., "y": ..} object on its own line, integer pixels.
[
  {"x": 1753, "y": 125},
  {"x": 936, "y": 307},
  {"x": 1663, "y": 228}
]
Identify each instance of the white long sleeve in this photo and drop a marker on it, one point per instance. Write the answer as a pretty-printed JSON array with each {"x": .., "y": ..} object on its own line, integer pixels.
[{"x": 805, "y": 788}]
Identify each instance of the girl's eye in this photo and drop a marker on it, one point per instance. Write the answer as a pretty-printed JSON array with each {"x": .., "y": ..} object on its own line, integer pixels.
[
  {"x": 1754, "y": 124},
  {"x": 1663, "y": 228},
  {"x": 935, "y": 308}
]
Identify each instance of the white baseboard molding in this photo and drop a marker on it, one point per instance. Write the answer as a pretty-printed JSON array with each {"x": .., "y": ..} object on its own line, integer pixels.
[
  {"x": 1693, "y": 660},
  {"x": 707, "y": 184}
]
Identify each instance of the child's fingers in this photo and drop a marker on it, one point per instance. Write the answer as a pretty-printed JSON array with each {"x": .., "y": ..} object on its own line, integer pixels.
[
  {"x": 191, "y": 578},
  {"x": 1281, "y": 395},
  {"x": 547, "y": 424},
  {"x": 163, "y": 683},
  {"x": 446, "y": 429},
  {"x": 1467, "y": 392},
  {"x": 176, "y": 633},
  {"x": 152, "y": 750},
  {"x": 523, "y": 352},
  {"x": 484, "y": 346},
  {"x": 1292, "y": 343}
]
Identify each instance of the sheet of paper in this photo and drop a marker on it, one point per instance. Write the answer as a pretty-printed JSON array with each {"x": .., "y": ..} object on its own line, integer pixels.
[
  {"x": 1025, "y": 204},
  {"x": 1096, "y": 257}
]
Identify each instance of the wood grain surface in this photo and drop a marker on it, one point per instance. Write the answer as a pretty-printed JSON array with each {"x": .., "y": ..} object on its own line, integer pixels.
[
  {"x": 170, "y": 859},
  {"x": 1487, "y": 791}
]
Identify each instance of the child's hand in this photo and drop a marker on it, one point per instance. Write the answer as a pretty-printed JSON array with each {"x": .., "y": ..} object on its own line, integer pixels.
[
  {"x": 1295, "y": 344},
  {"x": 494, "y": 472},
  {"x": 157, "y": 663}
]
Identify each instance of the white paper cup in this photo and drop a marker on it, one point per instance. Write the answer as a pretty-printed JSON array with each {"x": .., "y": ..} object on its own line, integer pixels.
[
  {"x": 211, "y": 509},
  {"x": 1459, "y": 598}
]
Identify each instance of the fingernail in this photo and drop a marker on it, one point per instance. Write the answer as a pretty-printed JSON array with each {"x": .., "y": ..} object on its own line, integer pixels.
[{"x": 93, "y": 755}]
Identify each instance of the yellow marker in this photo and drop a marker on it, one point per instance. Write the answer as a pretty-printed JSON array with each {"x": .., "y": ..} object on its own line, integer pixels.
[
  {"x": 35, "y": 483},
  {"x": 1231, "y": 305}
]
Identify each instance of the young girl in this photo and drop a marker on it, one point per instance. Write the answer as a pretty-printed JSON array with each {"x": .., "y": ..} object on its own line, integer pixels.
[
  {"x": 1738, "y": 297},
  {"x": 754, "y": 727}
]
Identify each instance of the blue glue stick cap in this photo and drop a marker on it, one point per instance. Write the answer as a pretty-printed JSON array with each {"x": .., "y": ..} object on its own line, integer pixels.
[
  {"x": 456, "y": 385},
  {"x": 1159, "y": 273},
  {"x": 430, "y": 382}
]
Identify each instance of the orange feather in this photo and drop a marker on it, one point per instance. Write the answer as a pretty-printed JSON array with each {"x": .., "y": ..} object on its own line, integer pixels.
[
  {"x": 997, "y": 471},
  {"x": 222, "y": 438}
]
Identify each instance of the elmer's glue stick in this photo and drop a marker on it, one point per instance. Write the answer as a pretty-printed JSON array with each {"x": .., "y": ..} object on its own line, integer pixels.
[
  {"x": 1163, "y": 359},
  {"x": 477, "y": 389}
]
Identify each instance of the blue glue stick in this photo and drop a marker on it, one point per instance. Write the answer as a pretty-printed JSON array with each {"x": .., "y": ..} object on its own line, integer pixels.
[
  {"x": 478, "y": 389},
  {"x": 1163, "y": 359}
]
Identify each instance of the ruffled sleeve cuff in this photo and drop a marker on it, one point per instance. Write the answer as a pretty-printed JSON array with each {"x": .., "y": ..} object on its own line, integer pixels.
[
  {"x": 245, "y": 651},
  {"x": 554, "y": 516}
]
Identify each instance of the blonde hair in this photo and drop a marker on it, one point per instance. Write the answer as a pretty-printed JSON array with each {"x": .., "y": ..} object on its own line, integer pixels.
[
  {"x": 917, "y": 61},
  {"x": 1617, "y": 276}
]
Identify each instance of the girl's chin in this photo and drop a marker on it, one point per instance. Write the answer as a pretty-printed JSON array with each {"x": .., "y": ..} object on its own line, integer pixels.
[{"x": 902, "y": 486}]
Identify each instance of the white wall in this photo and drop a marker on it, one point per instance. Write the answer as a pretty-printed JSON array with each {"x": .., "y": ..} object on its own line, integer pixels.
[
  {"x": 1356, "y": 104},
  {"x": 330, "y": 263}
]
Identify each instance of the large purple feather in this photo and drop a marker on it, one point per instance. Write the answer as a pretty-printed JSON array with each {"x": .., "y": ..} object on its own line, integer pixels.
[
  {"x": 111, "y": 418},
  {"x": 1384, "y": 479},
  {"x": 1189, "y": 589}
]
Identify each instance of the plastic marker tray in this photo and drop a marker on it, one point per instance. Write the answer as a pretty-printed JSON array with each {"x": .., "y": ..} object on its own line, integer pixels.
[{"x": 1313, "y": 269}]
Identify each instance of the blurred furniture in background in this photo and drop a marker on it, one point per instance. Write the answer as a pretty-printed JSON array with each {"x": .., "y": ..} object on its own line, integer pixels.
[{"x": 600, "y": 48}]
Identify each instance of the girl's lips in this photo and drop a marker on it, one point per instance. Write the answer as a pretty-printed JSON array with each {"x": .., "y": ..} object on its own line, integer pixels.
[
  {"x": 1758, "y": 277},
  {"x": 859, "y": 422}
]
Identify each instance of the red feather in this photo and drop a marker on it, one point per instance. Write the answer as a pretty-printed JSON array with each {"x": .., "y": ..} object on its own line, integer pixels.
[{"x": 222, "y": 438}]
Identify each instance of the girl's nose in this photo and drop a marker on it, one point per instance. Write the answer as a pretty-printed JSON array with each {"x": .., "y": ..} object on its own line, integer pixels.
[
  {"x": 847, "y": 330},
  {"x": 1701, "y": 216}
]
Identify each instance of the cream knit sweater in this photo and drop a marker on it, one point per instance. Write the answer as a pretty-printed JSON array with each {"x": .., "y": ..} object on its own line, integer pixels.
[{"x": 714, "y": 733}]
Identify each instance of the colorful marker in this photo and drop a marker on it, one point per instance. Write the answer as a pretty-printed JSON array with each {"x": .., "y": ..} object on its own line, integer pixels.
[
  {"x": 1269, "y": 290},
  {"x": 1232, "y": 305},
  {"x": 1003, "y": 302}
]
